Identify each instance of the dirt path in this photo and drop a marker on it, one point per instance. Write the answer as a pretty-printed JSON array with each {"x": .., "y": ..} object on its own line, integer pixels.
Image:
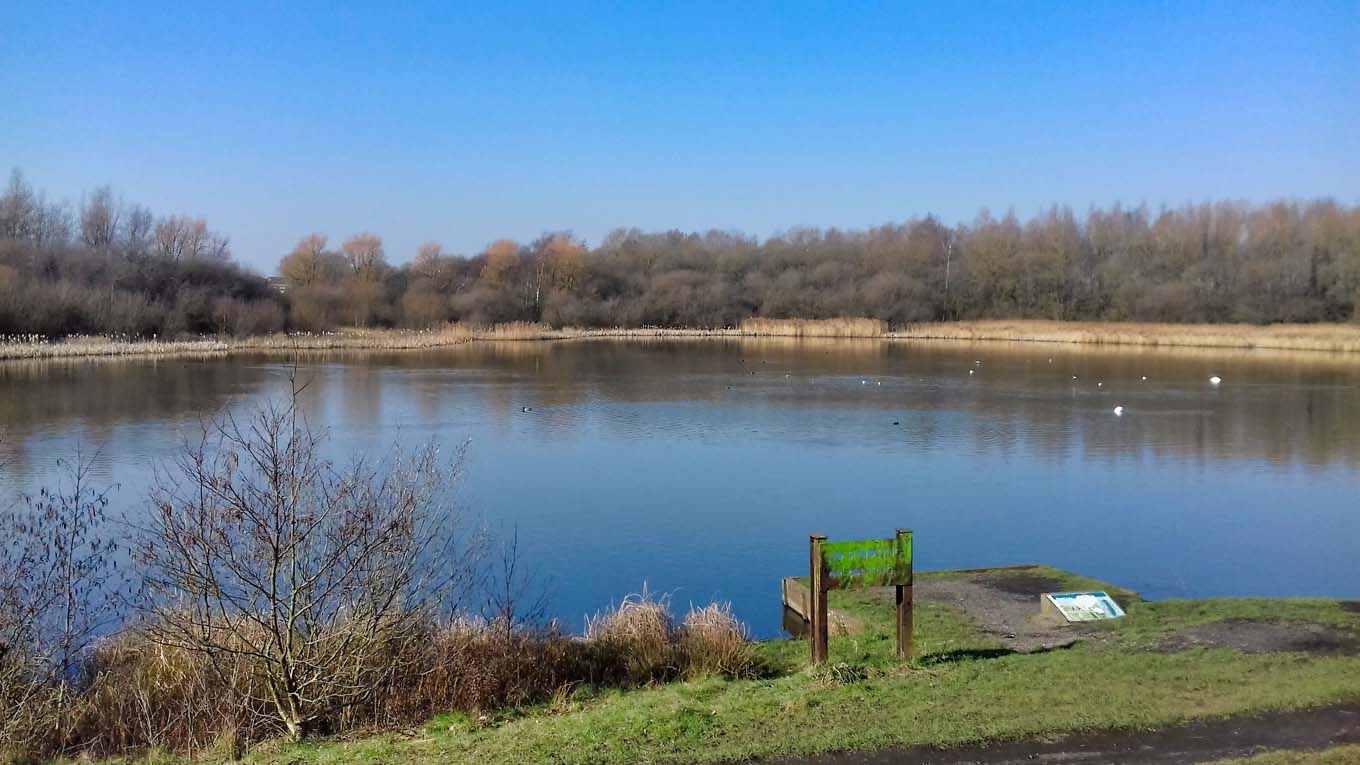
[
  {"x": 1208, "y": 741},
  {"x": 1004, "y": 603}
]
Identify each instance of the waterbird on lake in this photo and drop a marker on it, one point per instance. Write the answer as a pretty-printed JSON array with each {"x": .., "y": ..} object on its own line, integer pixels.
[
  {"x": 1100, "y": 385},
  {"x": 1119, "y": 411},
  {"x": 1215, "y": 380},
  {"x": 526, "y": 409},
  {"x": 970, "y": 371},
  {"x": 1145, "y": 377}
]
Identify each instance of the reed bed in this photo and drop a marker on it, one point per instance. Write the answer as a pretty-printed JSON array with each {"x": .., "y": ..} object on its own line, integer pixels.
[
  {"x": 1335, "y": 338},
  {"x": 815, "y": 327},
  {"x": 37, "y": 347}
]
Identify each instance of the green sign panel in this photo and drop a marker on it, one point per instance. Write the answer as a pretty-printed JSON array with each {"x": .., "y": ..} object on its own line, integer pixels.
[{"x": 868, "y": 563}]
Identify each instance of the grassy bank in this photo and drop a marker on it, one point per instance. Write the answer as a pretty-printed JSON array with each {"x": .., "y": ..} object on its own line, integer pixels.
[
  {"x": 962, "y": 687},
  {"x": 1333, "y": 338}
]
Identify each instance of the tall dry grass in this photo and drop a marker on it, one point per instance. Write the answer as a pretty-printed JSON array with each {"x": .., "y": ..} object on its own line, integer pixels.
[
  {"x": 1334, "y": 338},
  {"x": 641, "y": 638},
  {"x": 642, "y": 633},
  {"x": 815, "y": 327},
  {"x": 135, "y": 695},
  {"x": 714, "y": 642},
  {"x": 1296, "y": 337}
]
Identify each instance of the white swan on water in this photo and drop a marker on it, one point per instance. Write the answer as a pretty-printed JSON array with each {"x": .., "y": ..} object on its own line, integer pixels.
[
  {"x": 1215, "y": 380},
  {"x": 1119, "y": 411}
]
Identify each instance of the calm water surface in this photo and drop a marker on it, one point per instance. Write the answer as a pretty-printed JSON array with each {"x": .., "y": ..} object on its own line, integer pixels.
[{"x": 700, "y": 467}]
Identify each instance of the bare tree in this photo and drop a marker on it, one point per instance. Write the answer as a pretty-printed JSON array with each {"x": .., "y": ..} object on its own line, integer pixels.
[
  {"x": 137, "y": 230},
  {"x": 305, "y": 266},
  {"x": 365, "y": 255},
  {"x": 514, "y": 594},
  {"x": 179, "y": 237},
  {"x": 318, "y": 576},
  {"x": 100, "y": 219},
  {"x": 60, "y": 589}
]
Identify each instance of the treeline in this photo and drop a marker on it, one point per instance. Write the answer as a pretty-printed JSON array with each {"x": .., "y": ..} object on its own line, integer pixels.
[
  {"x": 112, "y": 267},
  {"x": 1225, "y": 262},
  {"x": 109, "y": 267}
]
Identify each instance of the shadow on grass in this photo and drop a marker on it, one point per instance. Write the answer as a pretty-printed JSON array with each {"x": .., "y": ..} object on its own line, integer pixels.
[{"x": 976, "y": 654}]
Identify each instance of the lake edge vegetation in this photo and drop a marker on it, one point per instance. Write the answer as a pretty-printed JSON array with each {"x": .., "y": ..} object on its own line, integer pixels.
[
  {"x": 963, "y": 688},
  {"x": 108, "y": 267},
  {"x": 269, "y": 591},
  {"x": 1323, "y": 338}
]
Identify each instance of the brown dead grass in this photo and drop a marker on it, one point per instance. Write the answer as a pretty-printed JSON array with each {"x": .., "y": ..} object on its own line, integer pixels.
[
  {"x": 1294, "y": 337},
  {"x": 642, "y": 636},
  {"x": 714, "y": 642},
  {"x": 1333, "y": 338},
  {"x": 815, "y": 327}
]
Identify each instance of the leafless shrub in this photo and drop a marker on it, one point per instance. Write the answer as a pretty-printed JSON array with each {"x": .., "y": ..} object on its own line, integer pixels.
[
  {"x": 318, "y": 576},
  {"x": 59, "y": 591}
]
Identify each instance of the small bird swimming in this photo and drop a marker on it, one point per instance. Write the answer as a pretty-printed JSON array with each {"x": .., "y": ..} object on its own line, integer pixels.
[
  {"x": 1215, "y": 380},
  {"x": 526, "y": 409},
  {"x": 1119, "y": 411}
]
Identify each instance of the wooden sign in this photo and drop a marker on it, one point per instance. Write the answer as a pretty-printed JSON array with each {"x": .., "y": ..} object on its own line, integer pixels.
[
  {"x": 855, "y": 564},
  {"x": 868, "y": 563}
]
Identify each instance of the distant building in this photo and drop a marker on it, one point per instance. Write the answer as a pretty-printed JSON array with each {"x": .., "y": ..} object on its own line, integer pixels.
[{"x": 278, "y": 282}]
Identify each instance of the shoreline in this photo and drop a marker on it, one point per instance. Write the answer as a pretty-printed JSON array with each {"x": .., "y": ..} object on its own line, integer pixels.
[{"x": 1316, "y": 338}]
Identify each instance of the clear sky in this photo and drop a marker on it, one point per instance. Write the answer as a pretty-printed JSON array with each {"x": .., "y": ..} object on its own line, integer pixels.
[{"x": 466, "y": 123}]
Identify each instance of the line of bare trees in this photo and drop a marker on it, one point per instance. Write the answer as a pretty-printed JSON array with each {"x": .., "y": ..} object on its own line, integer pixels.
[
  {"x": 1225, "y": 262},
  {"x": 113, "y": 268}
]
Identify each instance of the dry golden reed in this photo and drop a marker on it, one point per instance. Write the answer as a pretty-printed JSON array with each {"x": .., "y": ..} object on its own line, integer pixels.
[
  {"x": 1293, "y": 337},
  {"x": 815, "y": 327}
]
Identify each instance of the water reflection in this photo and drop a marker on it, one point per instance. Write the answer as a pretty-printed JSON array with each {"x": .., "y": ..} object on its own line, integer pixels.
[{"x": 701, "y": 465}]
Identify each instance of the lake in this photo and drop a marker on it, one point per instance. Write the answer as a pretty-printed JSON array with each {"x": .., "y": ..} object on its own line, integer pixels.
[{"x": 699, "y": 467}]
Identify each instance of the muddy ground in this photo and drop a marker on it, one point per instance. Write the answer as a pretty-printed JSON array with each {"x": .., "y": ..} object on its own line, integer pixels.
[
  {"x": 1208, "y": 741},
  {"x": 1004, "y": 603},
  {"x": 1250, "y": 636}
]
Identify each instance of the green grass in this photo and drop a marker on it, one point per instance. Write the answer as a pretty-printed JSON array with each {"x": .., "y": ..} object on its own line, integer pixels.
[{"x": 959, "y": 690}]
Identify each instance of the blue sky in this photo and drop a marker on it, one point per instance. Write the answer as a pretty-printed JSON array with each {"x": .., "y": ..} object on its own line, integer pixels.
[{"x": 466, "y": 123}]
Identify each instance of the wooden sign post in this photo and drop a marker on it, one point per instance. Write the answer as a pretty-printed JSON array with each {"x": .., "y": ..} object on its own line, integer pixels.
[{"x": 866, "y": 563}]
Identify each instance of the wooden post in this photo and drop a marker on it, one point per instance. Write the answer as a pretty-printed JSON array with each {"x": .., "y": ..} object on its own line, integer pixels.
[
  {"x": 904, "y": 603},
  {"x": 818, "y": 628}
]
